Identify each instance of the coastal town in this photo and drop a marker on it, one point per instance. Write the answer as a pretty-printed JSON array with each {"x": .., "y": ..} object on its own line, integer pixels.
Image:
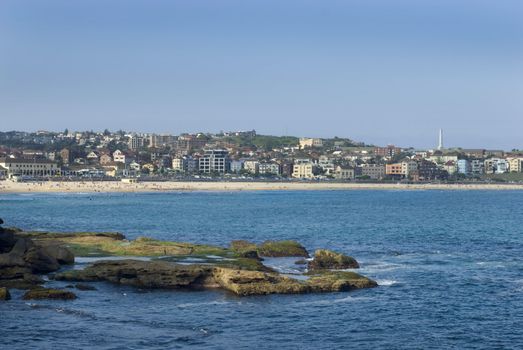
[{"x": 241, "y": 155}]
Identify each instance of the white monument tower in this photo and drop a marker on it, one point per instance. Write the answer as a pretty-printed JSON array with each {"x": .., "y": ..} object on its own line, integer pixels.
[{"x": 440, "y": 144}]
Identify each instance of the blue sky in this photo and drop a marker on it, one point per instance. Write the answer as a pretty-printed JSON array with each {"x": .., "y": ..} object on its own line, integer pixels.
[{"x": 378, "y": 71}]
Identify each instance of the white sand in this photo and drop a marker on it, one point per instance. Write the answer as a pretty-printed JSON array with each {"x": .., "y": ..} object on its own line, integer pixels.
[{"x": 116, "y": 186}]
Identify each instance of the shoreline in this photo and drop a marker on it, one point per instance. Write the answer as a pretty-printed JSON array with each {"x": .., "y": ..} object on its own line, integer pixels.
[{"x": 117, "y": 186}]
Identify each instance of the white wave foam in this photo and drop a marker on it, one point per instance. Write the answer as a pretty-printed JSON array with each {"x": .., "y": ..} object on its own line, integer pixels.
[
  {"x": 203, "y": 304},
  {"x": 386, "y": 282},
  {"x": 378, "y": 267},
  {"x": 347, "y": 299}
]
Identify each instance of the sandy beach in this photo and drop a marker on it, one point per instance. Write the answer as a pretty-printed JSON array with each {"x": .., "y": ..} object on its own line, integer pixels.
[{"x": 117, "y": 186}]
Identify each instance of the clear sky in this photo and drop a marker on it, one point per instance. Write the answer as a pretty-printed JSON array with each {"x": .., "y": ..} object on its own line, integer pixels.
[{"x": 378, "y": 71}]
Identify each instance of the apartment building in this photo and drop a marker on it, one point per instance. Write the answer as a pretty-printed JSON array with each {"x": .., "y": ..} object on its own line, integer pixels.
[
  {"x": 515, "y": 165},
  {"x": 302, "y": 171},
  {"x": 214, "y": 161},
  {"x": 269, "y": 168},
  {"x": 374, "y": 171},
  {"x": 252, "y": 166}
]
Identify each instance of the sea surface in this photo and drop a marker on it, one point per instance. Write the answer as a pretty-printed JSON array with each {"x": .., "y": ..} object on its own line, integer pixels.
[{"x": 449, "y": 265}]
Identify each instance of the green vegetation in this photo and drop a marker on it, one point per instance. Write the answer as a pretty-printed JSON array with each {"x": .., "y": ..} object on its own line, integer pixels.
[
  {"x": 244, "y": 249},
  {"x": 326, "y": 259},
  {"x": 109, "y": 243},
  {"x": 229, "y": 262},
  {"x": 282, "y": 248},
  {"x": 263, "y": 141},
  {"x": 507, "y": 177}
]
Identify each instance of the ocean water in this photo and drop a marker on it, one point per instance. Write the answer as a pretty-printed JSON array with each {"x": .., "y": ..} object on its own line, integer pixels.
[{"x": 449, "y": 265}]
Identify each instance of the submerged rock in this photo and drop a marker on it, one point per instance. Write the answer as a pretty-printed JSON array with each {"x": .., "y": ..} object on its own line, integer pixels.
[
  {"x": 84, "y": 287},
  {"x": 45, "y": 293},
  {"x": 326, "y": 259},
  {"x": 163, "y": 274},
  {"x": 4, "y": 294}
]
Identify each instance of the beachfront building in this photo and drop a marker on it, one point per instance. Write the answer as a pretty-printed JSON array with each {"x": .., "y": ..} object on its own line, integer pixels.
[
  {"x": 236, "y": 166},
  {"x": 373, "y": 171},
  {"x": 464, "y": 167},
  {"x": 178, "y": 164},
  {"x": 269, "y": 168},
  {"x": 302, "y": 171},
  {"x": 252, "y": 166},
  {"x": 29, "y": 167},
  {"x": 477, "y": 167},
  {"x": 450, "y": 167},
  {"x": 496, "y": 166},
  {"x": 403, "y": 169},
  {"x": 214, "y": 161},
  {"x": 344, "y": 173},
  {"x": 515, "y": 165},
  {"x": 427, "y": 170}
]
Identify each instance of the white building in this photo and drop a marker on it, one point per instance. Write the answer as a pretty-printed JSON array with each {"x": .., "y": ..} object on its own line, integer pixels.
[
  {"x": 515, "y": 165},
  {"x": 214, "y": 161},
  {"x": 306, "y": 142},
  {"x": 496, "y": 166},
  {"x": 29, "y": 167},
  {"x": 252, "y": 166},
  {"x": 344, "y": 173},
  {"x": 119, "y": 156},
  {"x": 269, "y": 168},
  {"x": 177, "y": 164},
  {"x": 326, "y": 164},
  {"x": 302, "y": 171}
]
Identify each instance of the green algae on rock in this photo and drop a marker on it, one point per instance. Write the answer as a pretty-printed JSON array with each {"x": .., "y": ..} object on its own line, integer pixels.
[
  {"x": 4, "y": 294},
  {"x": 284, "y": 248},
  {"x": 168, "y": 275},
  {"x": 47, "y": 293},
  {"x": 325, "y": 259}
]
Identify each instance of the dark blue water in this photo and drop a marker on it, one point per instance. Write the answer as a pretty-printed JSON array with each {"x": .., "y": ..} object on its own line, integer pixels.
[{"x": 449, "y": 264}]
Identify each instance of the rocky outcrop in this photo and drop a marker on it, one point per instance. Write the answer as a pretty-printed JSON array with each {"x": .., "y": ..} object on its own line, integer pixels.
[
  {"x": 245, "y": 283},
  {"x": 245, "y": 249},
  {"x": 163, "y": 274},
  {"x": 4, "y": 294},
  {"x": 45, "y": 293},
  {"x": 340, "y": 281},
  {"x": 143, "y": 274},
  {"x": 282, "y": 249},
  {"x": 21, "y": 259},
  {"x": 326, "y": 260}
]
